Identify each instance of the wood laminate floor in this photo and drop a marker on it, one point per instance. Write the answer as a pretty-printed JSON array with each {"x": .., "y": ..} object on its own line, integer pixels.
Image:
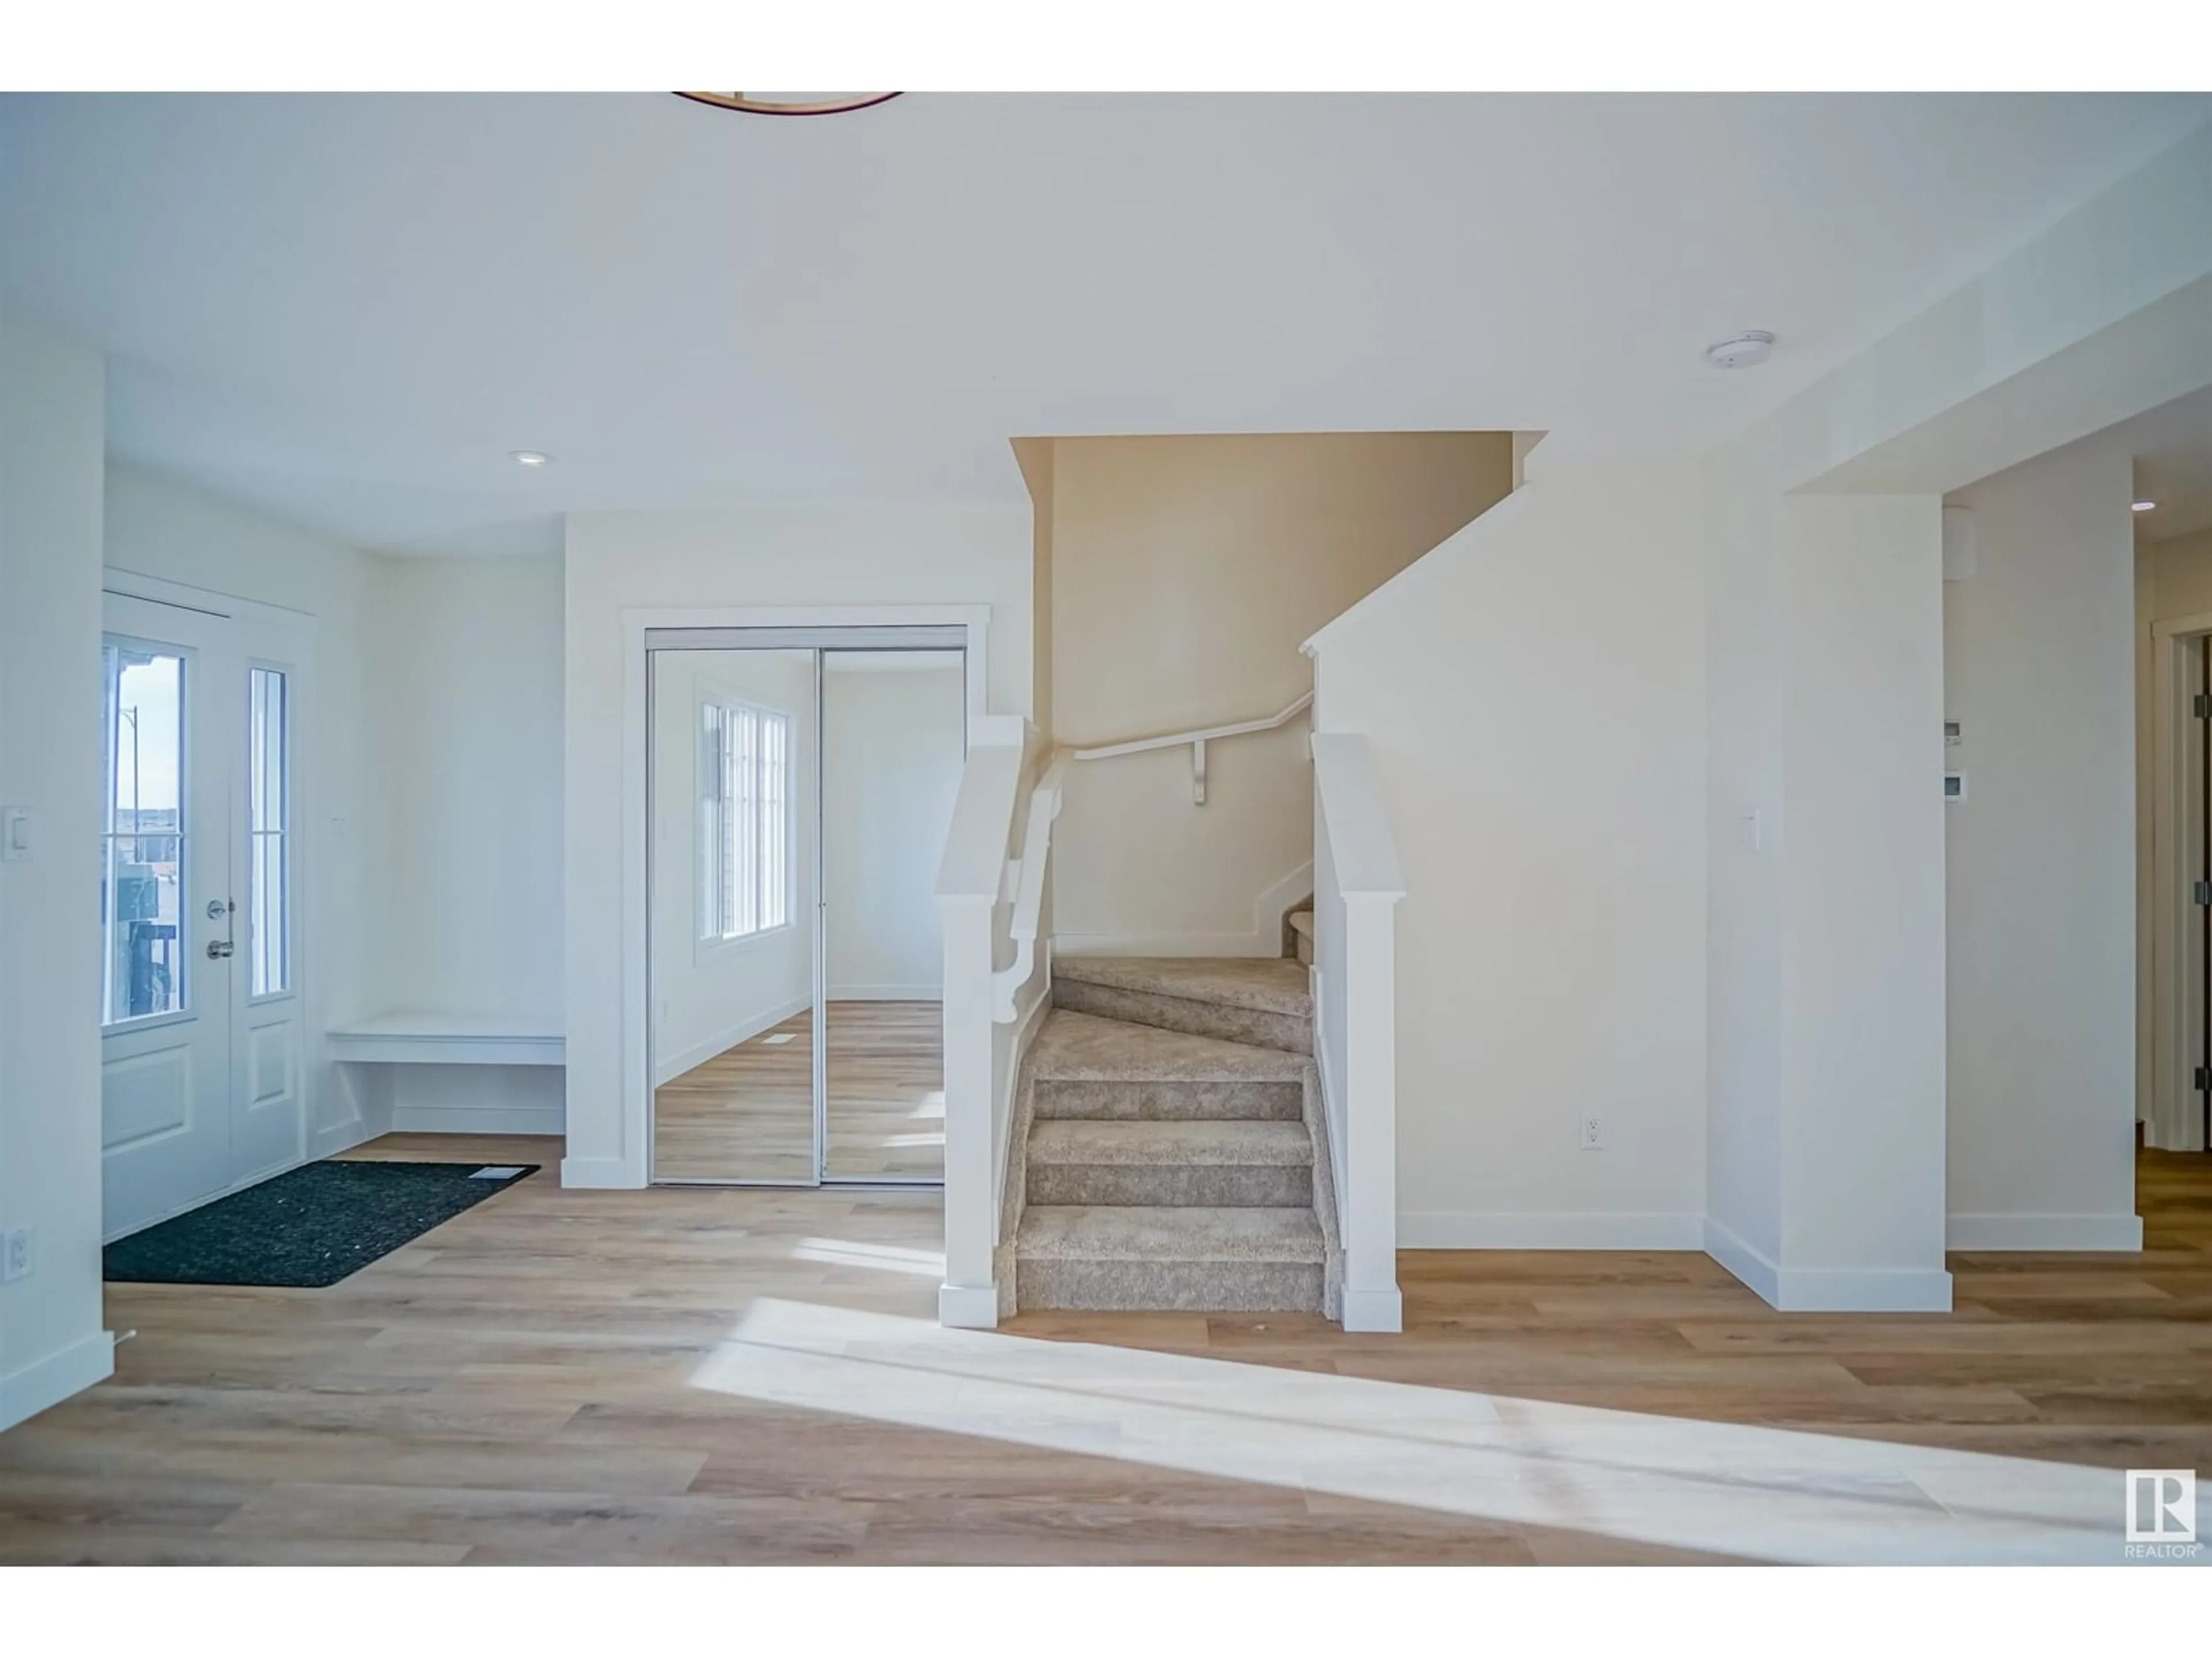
[
  {"x": 749, "y": 1112},
  {"x": 693, "y": 1375}
]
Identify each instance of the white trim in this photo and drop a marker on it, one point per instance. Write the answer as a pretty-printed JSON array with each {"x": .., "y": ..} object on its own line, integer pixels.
[
  {"x": 1572, "y": 1229},
  {"x": 967, "y": 1307},
  {"x": 933, "y": 992},
  {"x": 1829, "y": 1290},
  {"x": 1754, "y": 1266},
  {"x": 1381, "y": 1311},
  {"x": 479, "y": 1119},
  {"x": 48, "y": 1381},
  {"x": 697, "y": 1054},
  {"x": 597, "y": 1172},
  {"x": 2122, "y": 1233},
  {"x": 634, "y": 1057}
]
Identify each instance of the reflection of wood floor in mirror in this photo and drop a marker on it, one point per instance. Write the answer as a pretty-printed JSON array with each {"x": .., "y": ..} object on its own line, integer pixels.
[{"x": 748, "y": 1114}]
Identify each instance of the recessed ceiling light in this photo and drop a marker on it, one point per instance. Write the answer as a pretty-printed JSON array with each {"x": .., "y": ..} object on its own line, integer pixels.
[
  {"x": 531, "y": 458},
  {"x": 2143, "y": 506},
  {"x": 1746, "y": 351}
]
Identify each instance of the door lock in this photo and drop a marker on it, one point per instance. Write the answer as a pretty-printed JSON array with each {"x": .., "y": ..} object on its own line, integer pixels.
[{"x": 226, "y": 911}]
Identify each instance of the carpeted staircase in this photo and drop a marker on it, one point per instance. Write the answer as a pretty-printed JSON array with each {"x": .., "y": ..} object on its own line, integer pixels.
[{"x": 1172, "y": 1150}]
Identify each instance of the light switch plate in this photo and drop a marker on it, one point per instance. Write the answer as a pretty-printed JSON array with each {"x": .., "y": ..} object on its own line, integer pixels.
[{"x": 15, "y": 833}]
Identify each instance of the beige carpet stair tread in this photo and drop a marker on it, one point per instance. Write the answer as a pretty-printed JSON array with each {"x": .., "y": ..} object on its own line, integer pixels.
[
  {"x": 1302, "y": 922},
  {"x": 1233, "y": 1141},
  {"x": 1075, "y": 1047},
  {"x": 1263, "y": 984},
  {"x": 1146, "y": 1233}
]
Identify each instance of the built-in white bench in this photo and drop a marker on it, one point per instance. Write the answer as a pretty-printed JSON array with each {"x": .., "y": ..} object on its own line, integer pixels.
[
  {"x": 404, "y": 1084},
  {"x": 451, "y": 1039}
]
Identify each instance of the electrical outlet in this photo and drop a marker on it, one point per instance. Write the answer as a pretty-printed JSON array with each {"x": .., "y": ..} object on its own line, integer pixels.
[
  {"x": 1593, "y": 1135},
  {"x": 17, "y": 1262}
]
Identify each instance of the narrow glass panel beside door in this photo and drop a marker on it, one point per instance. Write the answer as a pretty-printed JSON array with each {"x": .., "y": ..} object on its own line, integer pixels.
[
  {"x": 893, "y": 739},
  {"x": 732, "y": 916},
  {"x": 269, "y": 800}
]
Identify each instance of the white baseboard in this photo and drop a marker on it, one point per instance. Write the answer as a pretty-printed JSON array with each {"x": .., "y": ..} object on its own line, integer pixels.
[
  {"x": 479, "y": 1121},
  {"x": 608, "y": 1172},
  {"x": 1829, "y": 1290},
  {"x": 26, "y": 1393},
  {"x": 2122, "y": 1233},
  {"x": 1374, "y": 1310},
  {"x": 1592, "y": 1230},
  {"x": 698, "y": 1053},
  {"x": 1754, "y": 1267},
  {"x": 967, "y": 1307},
  {"x": 933, "y": 991},
  {"x": 333, "y": 1139}
]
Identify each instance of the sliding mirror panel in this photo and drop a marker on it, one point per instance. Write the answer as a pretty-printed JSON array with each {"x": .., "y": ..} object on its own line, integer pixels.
[
  {"x": 733, "y": 925},
  {"x": 893, "y": 739}
]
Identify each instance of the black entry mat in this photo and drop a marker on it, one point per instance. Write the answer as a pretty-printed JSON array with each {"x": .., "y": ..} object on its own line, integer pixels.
[{"x": 308, "y": 1227}]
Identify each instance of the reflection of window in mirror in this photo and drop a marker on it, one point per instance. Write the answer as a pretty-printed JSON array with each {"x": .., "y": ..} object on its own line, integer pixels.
[{"x": 745, "y": 819}]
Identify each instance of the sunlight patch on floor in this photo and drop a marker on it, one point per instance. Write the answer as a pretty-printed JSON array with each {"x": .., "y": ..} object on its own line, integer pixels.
[
  {"x": 1762, "y": 1493},
  {"x": 889, "y": 1258}
]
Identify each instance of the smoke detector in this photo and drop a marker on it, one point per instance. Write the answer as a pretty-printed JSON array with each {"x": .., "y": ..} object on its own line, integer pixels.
[{"x": 1745, "y": 350}]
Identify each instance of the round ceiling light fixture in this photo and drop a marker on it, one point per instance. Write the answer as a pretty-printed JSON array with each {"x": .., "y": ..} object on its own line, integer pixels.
[
  {"x": 2143, "y": 506},
  {"x": 792, "y": 103},
  {"x": 1746, "y": 351},
  {"x": 530, "y": 457}
]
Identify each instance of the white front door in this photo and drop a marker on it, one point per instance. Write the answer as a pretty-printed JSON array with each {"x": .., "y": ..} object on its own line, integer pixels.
[{"x": 199, "y": 995}]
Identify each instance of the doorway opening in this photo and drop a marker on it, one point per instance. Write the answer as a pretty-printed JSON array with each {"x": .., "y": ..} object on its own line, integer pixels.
[
  {"x": 2177, "y": 1116},
  {"x": 799, "y": 782}
]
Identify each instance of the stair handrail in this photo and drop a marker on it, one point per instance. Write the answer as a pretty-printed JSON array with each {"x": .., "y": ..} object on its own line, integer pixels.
[
  {"x": 1026, "y": 876},
  {"x": 1197, "y": 739}
]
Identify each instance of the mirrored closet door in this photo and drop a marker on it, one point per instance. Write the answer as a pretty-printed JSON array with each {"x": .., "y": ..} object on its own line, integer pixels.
[{"x": 800, "y": 785}]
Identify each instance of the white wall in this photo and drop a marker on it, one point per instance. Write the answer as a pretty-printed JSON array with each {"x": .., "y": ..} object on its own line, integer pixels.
[
  {"x": 1185, "y": 572},
  {"x": 1858, "y": 842},
  {"x": 2039, "y": 663},
  {"x": 793, "y": 555},
  {"x": 157, "y": 528},
  {"x": 467, "y": 773},
  {"x": 1534, "y": 693},
  {"x": 893, "y": 749},
  {"x": 52, "y": 432},
  {"x": 708, "y": 997}
]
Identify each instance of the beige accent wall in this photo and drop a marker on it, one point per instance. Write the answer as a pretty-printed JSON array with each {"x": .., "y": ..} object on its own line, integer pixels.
[
  {"x": 1185, "y": 573},
  {"x": 1035, "y": 456}
]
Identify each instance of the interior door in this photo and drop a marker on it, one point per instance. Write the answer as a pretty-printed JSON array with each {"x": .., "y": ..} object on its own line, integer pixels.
[
  {"x": 166, "y": 893},
  {"x": 203, "y": 1031},
  {"x": 894, "y": 740}
]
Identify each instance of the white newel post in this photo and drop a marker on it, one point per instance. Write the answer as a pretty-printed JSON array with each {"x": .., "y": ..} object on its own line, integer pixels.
[
  {"x": 968, "y": 885},
  {"x": 1371, "y": 1302},
  {"x": 968, "y": 1296},
  {"x": 1358, "y": 878}
]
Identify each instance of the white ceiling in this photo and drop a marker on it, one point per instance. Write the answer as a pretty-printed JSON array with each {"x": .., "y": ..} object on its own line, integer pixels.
[{"x": 346, "y": 311}]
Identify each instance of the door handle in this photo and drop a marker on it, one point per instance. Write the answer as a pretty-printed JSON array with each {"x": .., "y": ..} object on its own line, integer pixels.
[{"x": 227, "y": 946}]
